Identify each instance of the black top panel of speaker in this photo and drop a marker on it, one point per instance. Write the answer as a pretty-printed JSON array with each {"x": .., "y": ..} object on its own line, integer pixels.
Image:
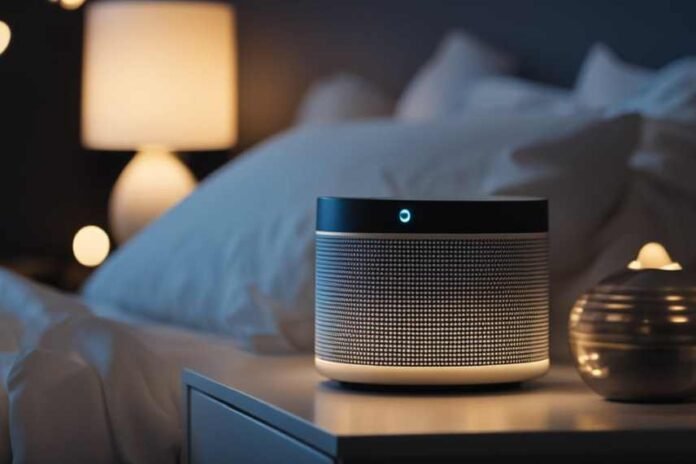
[{"x": 476, "y": 216}]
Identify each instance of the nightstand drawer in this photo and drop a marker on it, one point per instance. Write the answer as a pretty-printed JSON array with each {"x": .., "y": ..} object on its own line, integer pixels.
[{"x": 219, "y": 434}]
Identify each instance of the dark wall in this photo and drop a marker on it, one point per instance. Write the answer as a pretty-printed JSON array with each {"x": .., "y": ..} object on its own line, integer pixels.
[
  {"x": 288, "y": 43},
  {"x": 50, "y": 186},
  {"x": 43, "y": 172}
]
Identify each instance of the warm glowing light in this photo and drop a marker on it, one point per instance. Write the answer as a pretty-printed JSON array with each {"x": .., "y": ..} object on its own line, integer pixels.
[
  {"x": 71, "y": 4},
  {"x": 654, "y": 256},
  {"x": 618, "y": 306},
  {"x": 91, "y": 246},
  {"x": 599, "y": 372},
  {"x": 590, "y": 363},
  {"x": 154, "y": 181},
  {"x": 616, "y": 318},
  {"x": 159, "y": 73},
  {"x": 5, "y": 36}
]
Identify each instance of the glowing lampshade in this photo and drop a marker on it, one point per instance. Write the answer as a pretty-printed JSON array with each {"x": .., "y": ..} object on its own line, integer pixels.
[
  {"x": 159, "y": 73},
  {"x": 91, "y": 246},
  {"x": 157, "y": 76},
  {"x": 5, "y": 36}
]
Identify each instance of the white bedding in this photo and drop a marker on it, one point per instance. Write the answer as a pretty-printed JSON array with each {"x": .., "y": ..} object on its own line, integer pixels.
[{"x": 79, "y": 388}]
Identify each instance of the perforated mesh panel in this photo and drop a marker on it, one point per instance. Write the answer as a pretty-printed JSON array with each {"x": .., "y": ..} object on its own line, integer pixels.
[{"x": 432, "y": 302}]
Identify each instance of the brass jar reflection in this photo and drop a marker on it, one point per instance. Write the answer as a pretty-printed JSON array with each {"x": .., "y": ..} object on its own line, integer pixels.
[{"x": 633, "y": 336}]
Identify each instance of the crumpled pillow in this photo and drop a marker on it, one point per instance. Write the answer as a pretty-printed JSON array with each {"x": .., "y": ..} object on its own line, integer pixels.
[
  {"x": 605, "y": 80},
  {"x": 343, "y": 97},
  {"x": 441, "y": 86}
]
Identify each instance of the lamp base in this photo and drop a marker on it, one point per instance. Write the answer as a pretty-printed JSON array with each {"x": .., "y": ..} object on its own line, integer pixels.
[{"x": 154, "y": 181}]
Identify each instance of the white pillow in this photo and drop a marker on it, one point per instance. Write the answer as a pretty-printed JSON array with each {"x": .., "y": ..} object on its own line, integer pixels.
[
  {"x": 605, "y": 80},
  {"x": 237, "y": 256},
  {"x": 670, "y": 95},
  {"x": 342, "y": 97},
  {"x": 442, "y": 84},
  {"x": 502, "y": 93},
  {"x": 583, "y": 174},
  {"x": 667, "y": 153}
]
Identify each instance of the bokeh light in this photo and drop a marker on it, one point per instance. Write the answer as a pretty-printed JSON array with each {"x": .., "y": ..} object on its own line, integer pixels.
[
  {"x": 5, "y": 36},
  {"x": 91, "y": 246},
  {"x": 71, "y": 4}
]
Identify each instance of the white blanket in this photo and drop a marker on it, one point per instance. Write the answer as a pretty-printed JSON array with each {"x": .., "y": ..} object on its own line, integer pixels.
[{"x": 76, "y": 387}]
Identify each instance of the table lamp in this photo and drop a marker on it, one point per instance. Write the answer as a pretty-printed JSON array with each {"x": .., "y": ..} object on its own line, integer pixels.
[{"x": 158, "y": 76}]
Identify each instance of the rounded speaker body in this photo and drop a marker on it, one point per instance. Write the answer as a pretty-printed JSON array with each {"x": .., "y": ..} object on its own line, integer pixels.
[{"x": 432, "y": 292}]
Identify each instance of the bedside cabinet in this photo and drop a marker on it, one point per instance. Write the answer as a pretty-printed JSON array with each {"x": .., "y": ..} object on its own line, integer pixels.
[{"x": 278, "y": 410}]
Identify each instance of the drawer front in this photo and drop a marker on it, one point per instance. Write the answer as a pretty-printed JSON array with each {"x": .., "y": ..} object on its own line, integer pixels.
[{"x": 219, "y": 434}]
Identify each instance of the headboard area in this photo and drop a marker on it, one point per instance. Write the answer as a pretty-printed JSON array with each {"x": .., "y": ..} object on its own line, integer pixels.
[{"x": 284, "y": 45}]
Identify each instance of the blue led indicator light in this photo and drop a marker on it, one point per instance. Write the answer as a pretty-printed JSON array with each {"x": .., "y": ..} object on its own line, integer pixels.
[{"x": 405, "y": 216}]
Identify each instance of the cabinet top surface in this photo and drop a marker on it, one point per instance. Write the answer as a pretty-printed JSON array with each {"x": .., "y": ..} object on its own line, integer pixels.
[{"x": 286, "y": 391}]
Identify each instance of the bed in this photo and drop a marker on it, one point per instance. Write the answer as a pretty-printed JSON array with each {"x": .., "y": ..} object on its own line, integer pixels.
[{"x": 95, "y": 377}]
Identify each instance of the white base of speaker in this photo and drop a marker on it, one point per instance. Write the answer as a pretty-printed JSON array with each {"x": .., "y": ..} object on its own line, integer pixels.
[{"x": 470, "y": 375}]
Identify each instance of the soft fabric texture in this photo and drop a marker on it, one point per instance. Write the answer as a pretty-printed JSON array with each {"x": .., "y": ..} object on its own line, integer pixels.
[
  {"x": 667, "y": 152},
  {"x": 441, "y": 86},
  {"x": 77, "y": 388},
  {"x": 237, "y": 257},
  {"x": 670, "y": 95},
  {"x": 665, "y": 161},
  {"x": 605, "y": 80},
  {"x": 583, "y": 174},
  {"x": 342, "y": 97},
  {"x": 27, "y": 310},
  {"x": 504, "y": 94},
  {"x": 6, "y": 362}
]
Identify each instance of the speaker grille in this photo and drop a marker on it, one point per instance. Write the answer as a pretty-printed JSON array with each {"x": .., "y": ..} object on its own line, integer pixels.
[{"x": 432, "y": 301}]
